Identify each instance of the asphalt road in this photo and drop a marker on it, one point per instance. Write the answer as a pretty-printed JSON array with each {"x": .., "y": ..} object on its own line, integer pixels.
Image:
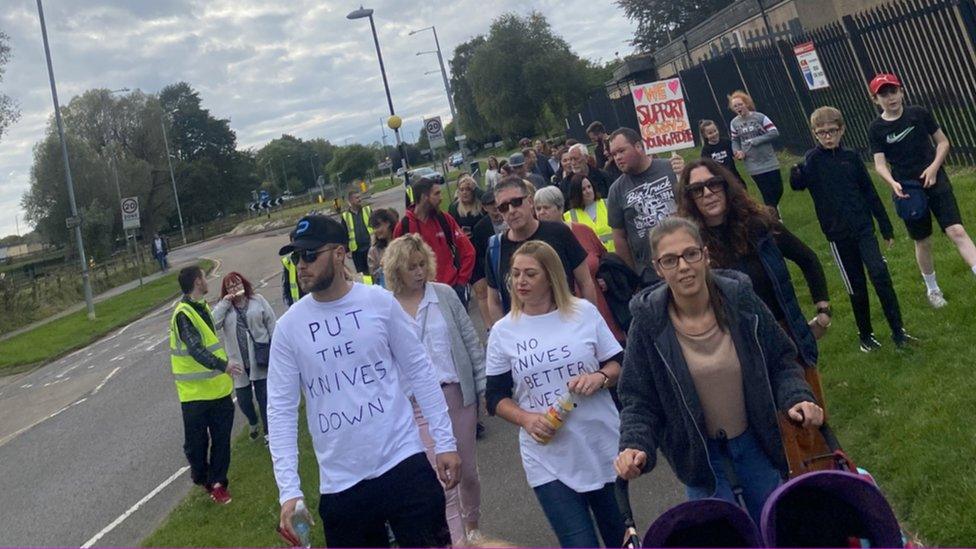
[{"x": 91, "y": 444}]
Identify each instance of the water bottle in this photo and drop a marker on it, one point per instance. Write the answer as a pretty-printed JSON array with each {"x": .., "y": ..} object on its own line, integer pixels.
[
  {"x": 557, "y": 413},
  {"x": 301, "y": 523}
]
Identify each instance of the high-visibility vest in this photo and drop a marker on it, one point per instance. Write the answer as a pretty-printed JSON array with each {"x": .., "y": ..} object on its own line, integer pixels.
[
  {"x": 601, "y": 226},
  {"x": 193, "y": 380},
  {"x": 292, "y": 278},
  {"x": 409, "y": 195},
  {"x": 365, "y": 212}
]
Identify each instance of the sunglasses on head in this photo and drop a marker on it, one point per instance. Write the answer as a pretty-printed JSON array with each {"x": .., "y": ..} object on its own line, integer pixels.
[
  {"x": 309, "y": 256},
  {"x": 513, "y": 203},
  {"x": 715, "y": 185}
]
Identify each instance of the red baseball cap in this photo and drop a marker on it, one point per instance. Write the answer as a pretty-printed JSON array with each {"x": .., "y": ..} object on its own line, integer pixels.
[{"x": 882, "y": 80}]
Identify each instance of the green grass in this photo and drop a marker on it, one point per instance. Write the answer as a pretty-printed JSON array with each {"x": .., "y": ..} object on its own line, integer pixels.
[
  {"x": 249, "y": 520},
  {"x": 75, "y": 331},
  {"x": 904, "y": 416}
]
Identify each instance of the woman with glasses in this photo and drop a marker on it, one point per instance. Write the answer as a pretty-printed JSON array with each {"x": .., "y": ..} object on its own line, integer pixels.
[
  {"x": 466, "y": 207},
  {"x": 742, "y": 235},
  {"x": 459, "y": 363},
  {"x": 554, "y": 351},
  {"x": 586, "y": 206},
  {"x": 706, "y": 369}
]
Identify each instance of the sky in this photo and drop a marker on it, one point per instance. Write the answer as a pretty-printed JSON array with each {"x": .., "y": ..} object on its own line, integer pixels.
[{"x": 269, "y": 66}]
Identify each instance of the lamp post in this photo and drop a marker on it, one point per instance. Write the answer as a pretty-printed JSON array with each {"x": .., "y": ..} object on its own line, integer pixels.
[
  {"x": 172, "y": 178},
  {"x": 447, "y": 86},
  {"x": 73, "y": 222},
  {"x": 394, "y": 121}
]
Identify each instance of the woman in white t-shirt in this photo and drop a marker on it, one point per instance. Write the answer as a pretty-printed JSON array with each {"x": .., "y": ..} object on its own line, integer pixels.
[
  {"x": 458, "y": 358},
  {"x": 551, "y": 344}
]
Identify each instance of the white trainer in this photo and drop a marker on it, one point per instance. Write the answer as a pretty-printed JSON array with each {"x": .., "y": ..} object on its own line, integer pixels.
[{"x": 937, "y": 300}]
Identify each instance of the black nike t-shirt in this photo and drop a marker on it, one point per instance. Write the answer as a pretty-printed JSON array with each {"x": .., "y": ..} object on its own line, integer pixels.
[{"x": 905, "y": 142}]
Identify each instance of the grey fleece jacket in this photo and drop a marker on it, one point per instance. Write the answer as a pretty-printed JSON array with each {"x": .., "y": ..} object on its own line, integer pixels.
[
  {"x": 755, "y": 134},
  {"x": 661, "y": 409}
]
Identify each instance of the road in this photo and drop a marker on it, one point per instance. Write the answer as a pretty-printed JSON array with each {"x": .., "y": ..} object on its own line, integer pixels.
[{"x": 91, "y": 444}]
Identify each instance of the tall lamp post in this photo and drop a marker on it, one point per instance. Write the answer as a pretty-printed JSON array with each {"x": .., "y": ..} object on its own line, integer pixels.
[
  {"x": 447, "y": 83},
  {"x": 394, "y": 122},
  {"x": 172, "y": 177},
  {"x": 73, "y": 222}
]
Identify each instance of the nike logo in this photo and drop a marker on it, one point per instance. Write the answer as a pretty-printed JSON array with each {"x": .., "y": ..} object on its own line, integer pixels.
[{"x": 897, "y": 137}]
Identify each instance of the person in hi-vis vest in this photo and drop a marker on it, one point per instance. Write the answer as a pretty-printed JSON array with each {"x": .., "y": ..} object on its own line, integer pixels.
[
  {"x": 356, "y": 220},
  {"x": 291, "y": 290},
  {"x": 200, "y": 369},
  {"x": 586, "y": 206}
]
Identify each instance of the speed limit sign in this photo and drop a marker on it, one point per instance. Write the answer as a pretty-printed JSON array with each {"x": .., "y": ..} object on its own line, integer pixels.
[
  {"x": 130, "y": 213},
  {"x": 435, "y": 132}
]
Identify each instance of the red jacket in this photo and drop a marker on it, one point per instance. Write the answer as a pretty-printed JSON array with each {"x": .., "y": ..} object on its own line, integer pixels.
[{"x": 432, "y": 232}]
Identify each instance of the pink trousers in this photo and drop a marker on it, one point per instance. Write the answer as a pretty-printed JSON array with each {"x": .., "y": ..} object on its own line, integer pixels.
[{"x": 464, "y": 500}]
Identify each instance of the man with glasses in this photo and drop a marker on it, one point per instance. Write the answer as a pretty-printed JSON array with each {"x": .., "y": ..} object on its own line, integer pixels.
[
  {"x": 517, "y": 208},
  {"x": 351, "y": 352}
]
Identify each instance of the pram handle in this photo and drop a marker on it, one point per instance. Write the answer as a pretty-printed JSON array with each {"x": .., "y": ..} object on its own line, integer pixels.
[{"x": 621, "y": 489}]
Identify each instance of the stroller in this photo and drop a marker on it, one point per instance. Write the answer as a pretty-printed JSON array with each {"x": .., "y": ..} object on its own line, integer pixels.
[{"x": 838, "y": 505}]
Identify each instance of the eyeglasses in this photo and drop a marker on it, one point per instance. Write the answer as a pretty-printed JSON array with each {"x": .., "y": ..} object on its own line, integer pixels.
[
  {"x": 670, "y": 261},
  {"x": 830, "y": 132},
  {"x": 715, "y": 185},
  {"x": 309, "y": 256},
  {"x": 513, "y": 203}
]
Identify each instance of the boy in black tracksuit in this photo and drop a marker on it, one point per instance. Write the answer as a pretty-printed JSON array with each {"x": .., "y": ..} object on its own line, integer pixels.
[{"x": 845, "y": 201}]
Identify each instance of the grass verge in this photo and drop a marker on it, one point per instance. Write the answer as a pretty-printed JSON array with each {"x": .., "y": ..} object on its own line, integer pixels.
[{"x": 75, "y": 331}]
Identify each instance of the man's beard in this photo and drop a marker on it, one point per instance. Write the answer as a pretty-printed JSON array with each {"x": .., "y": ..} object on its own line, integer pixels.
[{"x": 323, "y": 282}]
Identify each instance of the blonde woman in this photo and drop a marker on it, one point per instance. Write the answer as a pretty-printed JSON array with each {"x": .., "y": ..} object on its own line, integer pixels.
[
  {"x": 466, "y": 208},
  {"x": 548, "y": 345},
  {"x": 459, "y": 363}
]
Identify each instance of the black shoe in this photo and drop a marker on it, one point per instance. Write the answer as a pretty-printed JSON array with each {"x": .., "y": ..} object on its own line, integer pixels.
[
  {"x": 480, "y": 431},
  {"x": 254, "y": 432},
  {"x": 903, "y": 340},
  {"x": 869, "y": 343}
]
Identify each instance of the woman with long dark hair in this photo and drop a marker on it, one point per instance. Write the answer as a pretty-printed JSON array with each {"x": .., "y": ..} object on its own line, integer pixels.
[
  {"x": 586, "y": 206},
  {"x": 247, "y": 321}
]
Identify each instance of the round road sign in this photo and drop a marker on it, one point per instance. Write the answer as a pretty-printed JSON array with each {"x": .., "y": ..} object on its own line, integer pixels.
[
  {"x": 130, "y": 206},
  {"x": 433, "y": 126}
]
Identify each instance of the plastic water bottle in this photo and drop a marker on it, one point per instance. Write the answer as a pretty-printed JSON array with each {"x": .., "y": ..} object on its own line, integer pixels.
[
  {"x": 557, "y": 413},
  {"x": 301, "y": 523}
]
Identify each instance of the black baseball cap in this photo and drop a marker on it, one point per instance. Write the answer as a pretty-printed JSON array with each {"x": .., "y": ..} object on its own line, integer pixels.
[{"x": 313, "y": 232}]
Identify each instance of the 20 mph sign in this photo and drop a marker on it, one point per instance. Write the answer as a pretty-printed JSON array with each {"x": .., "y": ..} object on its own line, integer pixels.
[
  {"x": 435, "y": 132},
  {"x": 130, "y": 213}
]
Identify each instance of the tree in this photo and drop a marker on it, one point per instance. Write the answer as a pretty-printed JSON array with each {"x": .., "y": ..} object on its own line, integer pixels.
[
  {"x": 352, "y": 161},
  {"x": 9, "y": 113},
  {"x": 660, "y": 21},
  {"x": 476, "y": 128},
  {"x": 522, "y": 70}
]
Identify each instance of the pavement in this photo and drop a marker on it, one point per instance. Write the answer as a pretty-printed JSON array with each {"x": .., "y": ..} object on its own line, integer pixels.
[{"x": 91, "y": 444}]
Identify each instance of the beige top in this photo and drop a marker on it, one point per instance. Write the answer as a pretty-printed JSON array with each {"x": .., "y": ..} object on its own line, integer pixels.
[{"x": 717, "y": 374}]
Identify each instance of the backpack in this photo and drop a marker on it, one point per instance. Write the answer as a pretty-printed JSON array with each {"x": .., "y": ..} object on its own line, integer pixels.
[
  {"x": 448, "y": 235},
  {"x": 916, "y": 205},
  {"x": 495, "y": 264}
]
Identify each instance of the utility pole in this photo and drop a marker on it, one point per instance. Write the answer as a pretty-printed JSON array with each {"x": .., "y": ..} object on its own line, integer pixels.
[
  {"x": 172, "y": 178},
  {"x": 73, "y": 222}
]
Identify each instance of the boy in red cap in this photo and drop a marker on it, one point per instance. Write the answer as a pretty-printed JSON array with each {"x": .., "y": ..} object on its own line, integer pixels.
[{"x": 902, "y": 143}]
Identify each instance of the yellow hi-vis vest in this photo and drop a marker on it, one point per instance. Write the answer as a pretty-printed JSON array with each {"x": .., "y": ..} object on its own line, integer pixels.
[
  {"x": 292, "y": 277},
  {"x": 601, "y": 226},
  {"x": 365, "y": 212},
  {"x": 193, "y": 380},
  {"x": 409, "y": 194}
]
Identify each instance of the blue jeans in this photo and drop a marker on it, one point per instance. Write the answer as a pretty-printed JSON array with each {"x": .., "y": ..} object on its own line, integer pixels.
[
  {"x": 568, "y": 512},
  {"x": 757, "y": 474}
]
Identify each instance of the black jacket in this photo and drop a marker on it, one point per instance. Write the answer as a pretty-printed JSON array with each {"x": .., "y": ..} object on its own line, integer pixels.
[
  {"x": 843, "y": 193},
  {"x": 661, "y": 409},
  {"x": 622, "y": 282}
]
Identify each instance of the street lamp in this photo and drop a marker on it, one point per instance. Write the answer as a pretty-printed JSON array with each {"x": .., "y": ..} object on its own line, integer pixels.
[
  {"x": 394, "y": 121},
  {"x": 73, "y": 222},
  {"x": 172, "y": 178},
  {"x": 447, "y": 83}
]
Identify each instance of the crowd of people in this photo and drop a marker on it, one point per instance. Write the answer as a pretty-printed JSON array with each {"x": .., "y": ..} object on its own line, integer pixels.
[{"x": 631, "y": 305}]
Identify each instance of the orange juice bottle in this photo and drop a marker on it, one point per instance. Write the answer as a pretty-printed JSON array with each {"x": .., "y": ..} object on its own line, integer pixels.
[{"x": 556, "y": 414}]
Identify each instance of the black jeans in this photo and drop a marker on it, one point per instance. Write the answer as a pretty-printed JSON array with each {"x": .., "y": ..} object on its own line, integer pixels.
[
  {"x": 207, "y": 426},
  {"x": 770, "y": 187},
  {"x": 408, "y": 497},
  {"x": 853, "y": 255},
  {"x": 359, "y": 260},
  {"x": 245, "y": 399}
]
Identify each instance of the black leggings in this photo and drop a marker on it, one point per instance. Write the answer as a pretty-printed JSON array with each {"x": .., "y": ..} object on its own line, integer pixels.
[
  {"x": 246, "y": 402},
  {"x": 770, "y": 186}
]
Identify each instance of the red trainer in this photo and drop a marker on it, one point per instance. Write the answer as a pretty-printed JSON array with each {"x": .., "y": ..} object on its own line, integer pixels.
[{"x": 220, "y": 494}]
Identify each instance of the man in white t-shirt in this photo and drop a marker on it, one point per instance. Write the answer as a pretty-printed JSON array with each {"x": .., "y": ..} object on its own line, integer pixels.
[{"x": 351, "y": 351}]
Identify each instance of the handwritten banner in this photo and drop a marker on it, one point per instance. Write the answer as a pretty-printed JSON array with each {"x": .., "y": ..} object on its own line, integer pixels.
[{"x": 662, "y": 116}]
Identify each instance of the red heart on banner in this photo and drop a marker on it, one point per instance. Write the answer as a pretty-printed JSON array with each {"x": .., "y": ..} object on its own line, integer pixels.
[
  {"x": 639, "y": 93},
  {"x": 674, "y": 85}
]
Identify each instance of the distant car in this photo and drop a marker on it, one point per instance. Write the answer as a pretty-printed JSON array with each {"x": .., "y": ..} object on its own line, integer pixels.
[
  {"x": 286, "y": 196},
  {"x": 420, "y": 173},
  {"x": 457, "y": 159}
]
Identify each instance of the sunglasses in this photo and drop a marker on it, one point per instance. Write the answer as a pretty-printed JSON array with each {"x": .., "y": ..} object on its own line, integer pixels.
[
  {"x": 516, "y": 202},
  {"x": 715, "y": 185},
  {"x": 309, "y": 256}
]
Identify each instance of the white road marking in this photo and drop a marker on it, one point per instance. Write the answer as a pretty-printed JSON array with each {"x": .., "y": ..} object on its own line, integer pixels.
[
  {"x": 135, "y": 507},
  {"x": 104, "y": 381},
  {"x": 27, "y": 386},
  {"x": 56, "y": 381},
  {"x": 116, "y": 358},
  {"x": 154, "y": 345}
]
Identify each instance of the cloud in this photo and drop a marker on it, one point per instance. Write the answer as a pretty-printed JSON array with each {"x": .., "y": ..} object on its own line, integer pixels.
[{"x": 271, "y": 67}]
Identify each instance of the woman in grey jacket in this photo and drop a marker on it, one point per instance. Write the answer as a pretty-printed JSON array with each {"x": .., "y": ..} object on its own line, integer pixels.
[
  {"x": 458, "y": 358},
  {"x": 752, "y": 136},
  {"x": 246, "y": 318},
  {"x": 705, "y": 372}
]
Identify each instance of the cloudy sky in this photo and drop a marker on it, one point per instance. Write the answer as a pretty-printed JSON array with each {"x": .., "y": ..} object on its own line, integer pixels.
[{"x": 270, "y": 66}]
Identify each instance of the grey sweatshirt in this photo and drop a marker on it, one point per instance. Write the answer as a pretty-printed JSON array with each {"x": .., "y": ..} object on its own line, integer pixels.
[{"x": 754, "y": 134}]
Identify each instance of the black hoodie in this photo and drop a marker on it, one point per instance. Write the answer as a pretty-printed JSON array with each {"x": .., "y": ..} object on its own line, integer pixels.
[{"x": 661, "y": 409}]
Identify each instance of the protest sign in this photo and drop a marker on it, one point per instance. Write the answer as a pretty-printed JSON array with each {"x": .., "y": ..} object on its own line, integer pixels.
[{"x": 662, "y": 116}]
